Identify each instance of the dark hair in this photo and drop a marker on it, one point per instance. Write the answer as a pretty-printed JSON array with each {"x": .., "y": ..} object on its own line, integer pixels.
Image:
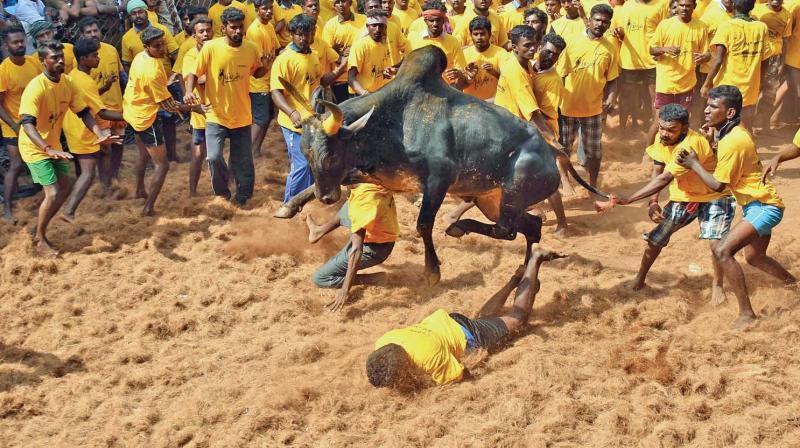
[
  {"x": 377, "y": 13},
  {"x": 260, "y": 3},
  {"x": 730, "y": 95},
  {"x": 193, "y": 11},
  {"x": 386, "y": 365},
  {"x": 520, "y": 31},
  {"x": 51, "y": 46},
  {"x": 13, "y": 29},
  {"x": 87, "y": 22},
  {"x": 744, "y": 6},
  {"x": 231, "y": 15},
  {"x": 85, "y": 47},
  {"x": 602, "y": 8},
  {"x": 198, "y": 20},
  {"x": 674, "y": 112},
  {"x": 540, "y": 14},
  {"x": 555, "y": 39},
  {"x": 301, "y": 23},
  {"x": 433, "y": 4},
  {"x": 150, "y": 34},
  {"x": 480, "y": 23}
]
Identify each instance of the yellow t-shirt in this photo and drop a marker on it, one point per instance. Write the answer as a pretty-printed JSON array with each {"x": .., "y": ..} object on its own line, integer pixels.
[
  {"x": 48, "y": 101},
  {"x": 303, "y": 71},
  {"x": 511, "y": 17},
  {"x": 746, "y": 44},
  {"x": 109, "y": 66},
  {"x": 343, "y": 34},
  {"x": 132, "y": 45},
  {"x": 677, "y": 74},
  {"x": 266, "y": 40},
  {"x": 548, "y": 87},
  {"x": 81, "y": 140},
  {"x": 327, "y": 11},
  {"x": 499, "y": 33},
  {"x": 147, "y": 86},
  {"x": 371, "y": 207},
  {"x": 588, "y": 64},
  {"x": 793, "y": 43},
  {"x": 152, "y": 16},
  {"x": 370, "y": 58},
  {"x": 447, "y": 43},
  {"x": 328, "y": 57},
  {"x": 187, "y": 45},
  {"x": 700, "y": 8},
  {"x": 567, "y": 28},
  {"x": 686, "y": 185},
  {"x": 515, "y": 89},
  {"x": 399, "y": 44},
  {"x": 778, "y": 23},
  {"x": 713, "y": 17},
  {"x": 405, "y": 18},
  {"x": 484, "y": 86},
  {"x": 639, "y": 21},
  {"x": 197, "y": 120},
  {"x": 180, "y": 38},
  {"x": 738, "y": 166},
  {"x": 215, "y": 14},
  {"x": 434, "y": 345},
  {"x": 69, "y": 58},
  {"x": 228, "y": 71},
  {"x": 796, "y": 141},
  {"x": 279, "y": 12},
  {"x": 13, "y": 80}
]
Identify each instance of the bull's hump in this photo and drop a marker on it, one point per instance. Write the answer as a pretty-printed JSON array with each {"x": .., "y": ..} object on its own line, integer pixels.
[{"x": 422, "y": 66}]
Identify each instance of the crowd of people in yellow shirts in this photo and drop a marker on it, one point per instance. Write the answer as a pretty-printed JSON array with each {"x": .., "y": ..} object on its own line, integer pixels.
[{"x": 560, "y": 65}]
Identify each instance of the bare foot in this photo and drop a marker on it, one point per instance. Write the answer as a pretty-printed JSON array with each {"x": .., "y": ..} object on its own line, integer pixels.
[
  {"x": 567, "y": 190},
  {"x": 67, "y": 217},
  {"x": 718, "y": 296},
  {"x": 744, "y": 321},
  {"x": 43, "y": 248},
  {"x": 148, "y": 211},
  {"x": 314, "y": 231},
  {"x": 542, "y": 254},
  {"x": 450, "y": 218},
  {"x": 10, "y": 218},
  {"x": 561, "y": 230},
  {"x": 636, "y": 285}
]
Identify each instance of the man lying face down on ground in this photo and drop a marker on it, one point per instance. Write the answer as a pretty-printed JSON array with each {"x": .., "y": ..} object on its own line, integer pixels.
[{"x": 406, "y": 357}]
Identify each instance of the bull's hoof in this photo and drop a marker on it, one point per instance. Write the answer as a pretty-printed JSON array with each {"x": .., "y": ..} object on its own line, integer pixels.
[
  {"x": 455, "y": 231},
  {"x": 286, "y": 212},
  {"x": 433, "y": 276}
]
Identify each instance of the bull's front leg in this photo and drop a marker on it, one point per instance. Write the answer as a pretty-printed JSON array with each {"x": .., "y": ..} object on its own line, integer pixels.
[{"x": 433, "y": 193}]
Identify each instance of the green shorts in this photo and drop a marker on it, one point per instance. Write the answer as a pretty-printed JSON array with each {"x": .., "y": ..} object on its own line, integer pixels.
[{"x": 47, "y": 171}]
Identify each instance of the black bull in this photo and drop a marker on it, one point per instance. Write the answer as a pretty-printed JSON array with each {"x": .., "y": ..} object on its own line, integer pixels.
[{"x": 419, "y": 133}]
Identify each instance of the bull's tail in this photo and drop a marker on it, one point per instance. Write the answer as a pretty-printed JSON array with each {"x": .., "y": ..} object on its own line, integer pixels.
[{"x": 562, "y": 154}]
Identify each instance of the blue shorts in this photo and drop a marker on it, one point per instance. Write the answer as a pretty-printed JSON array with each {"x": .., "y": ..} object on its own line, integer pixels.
[
  {"x": 763, "y": 217},
  {"x": 198, "y": 136},
  {"x": 715, "y": 219}
]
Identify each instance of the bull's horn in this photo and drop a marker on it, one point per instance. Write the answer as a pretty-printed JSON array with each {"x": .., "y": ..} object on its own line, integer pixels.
[
  {"x": 288, "y": 87},
  {"x": 361, "y": 122},
  {"x": 334, "y": 121}
]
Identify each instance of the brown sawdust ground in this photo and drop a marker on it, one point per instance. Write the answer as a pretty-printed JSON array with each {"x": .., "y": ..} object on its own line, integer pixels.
[{"x": 200, "y": 327}]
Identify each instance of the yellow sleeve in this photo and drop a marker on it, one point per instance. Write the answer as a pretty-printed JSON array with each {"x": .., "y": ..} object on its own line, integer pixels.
[
  {"x": 700, "y": 146},
  {"x": 720, "y": 36},
  {"x": 327, "y": 31},
  {"x": 127, "y": 53},
  {"x": 502, "y": 36},
  {"x": 449, "y": 371},
  {"x": 201, "y": 62},
  {"x": 796, "y": 140},
  {"x": 363, "y": 211},
  {"x": 158, "y": 85},
  {"x": 613, "y": 69},
  {"x": 76, "y": 102},
  {"x": 656, "y": 152},
  {"x": 29, "y": 104},
  {"x": 172, "y": 45},
  {"x": 3, "y": 80},
  {"x": 728, "y": 166},
  {"x": 356, "y": 56},
  {"x": 332, "y": 57},
  {"x": 658, "y": 37},
  {"x": 522, "y": 92},
  {"x": 279, "y": 70}
]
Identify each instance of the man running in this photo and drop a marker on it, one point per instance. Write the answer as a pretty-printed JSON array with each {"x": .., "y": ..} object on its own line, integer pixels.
[
  {"x": 16, "y": 72},
  {"x": 689, "y": 197},
  {"x": 739, "y": 169},
  {"x": 411, "y": 357},
  {"x": 44, "y": 103}
]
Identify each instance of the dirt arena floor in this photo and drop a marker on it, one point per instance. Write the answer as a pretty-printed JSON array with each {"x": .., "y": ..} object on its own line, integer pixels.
[{"x": 200, "y": 328}]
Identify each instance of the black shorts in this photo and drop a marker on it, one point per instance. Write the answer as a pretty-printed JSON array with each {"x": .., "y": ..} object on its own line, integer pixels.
[
  {"x": 638, "y": 77},
  {"x": 93, "y": 155},
  {"x": 152, "y": 136},
  {"x": 261, "y": 107},
  {"x": 341, "y": 92},
  {"x": 486, "y": 333},
  {"x": 13, "y": 141}
]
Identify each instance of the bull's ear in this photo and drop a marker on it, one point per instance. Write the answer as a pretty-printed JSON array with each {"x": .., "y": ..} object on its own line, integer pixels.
[{"x": 361, "y": 122}]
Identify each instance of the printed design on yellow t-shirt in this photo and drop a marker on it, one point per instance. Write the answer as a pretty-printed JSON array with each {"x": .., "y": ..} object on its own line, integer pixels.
[
  {"x": 747, "y": 49},
  {"x": 229, "y": 77}
]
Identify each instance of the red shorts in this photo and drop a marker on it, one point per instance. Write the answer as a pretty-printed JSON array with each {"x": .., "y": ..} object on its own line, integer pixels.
[{"x": 682, "y": 99}]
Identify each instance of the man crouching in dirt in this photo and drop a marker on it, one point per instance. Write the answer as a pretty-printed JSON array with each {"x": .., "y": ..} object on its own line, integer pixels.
[
  {"x": 406, "y": 357},
  {"x": 372, "y": 218}
]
